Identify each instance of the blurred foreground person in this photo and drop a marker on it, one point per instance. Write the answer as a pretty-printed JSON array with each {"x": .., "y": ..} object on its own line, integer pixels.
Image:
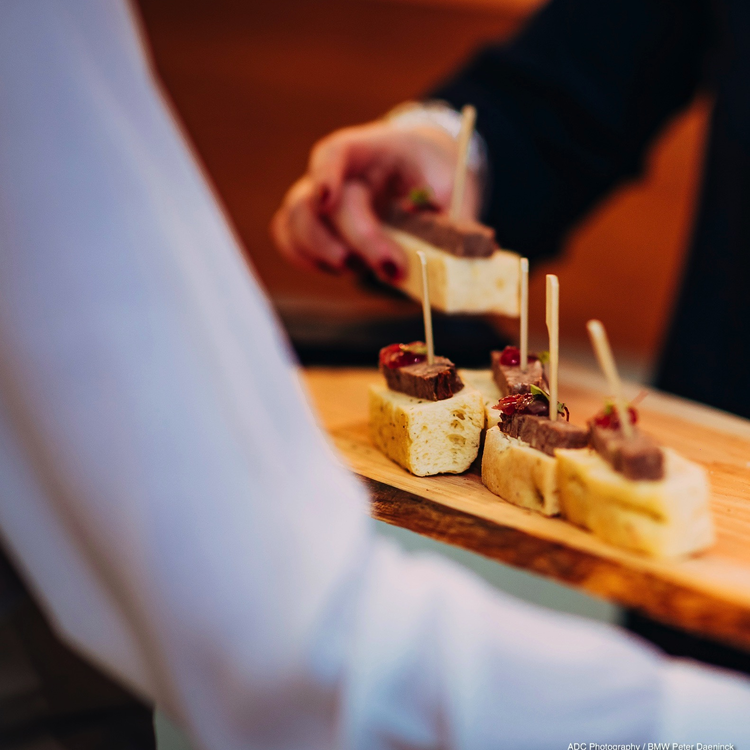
[
  {"x": 169, "y": 501},
  {"x": 566, "y": 112}
]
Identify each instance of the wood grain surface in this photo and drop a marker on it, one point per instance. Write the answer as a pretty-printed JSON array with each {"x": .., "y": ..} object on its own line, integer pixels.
[{"x": 708, "y": 594}]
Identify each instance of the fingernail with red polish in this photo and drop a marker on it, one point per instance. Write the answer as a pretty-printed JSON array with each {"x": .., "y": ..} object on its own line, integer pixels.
[{"x": 390, "y": 270}]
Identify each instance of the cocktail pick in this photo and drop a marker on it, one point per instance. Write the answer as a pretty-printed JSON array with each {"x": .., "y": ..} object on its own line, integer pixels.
[
  {"x": 603, "y": 352},
  {"x": 468, "y": 118},
  {"x": 553, "y": 329},
  {"x": 427, "y": 310}
]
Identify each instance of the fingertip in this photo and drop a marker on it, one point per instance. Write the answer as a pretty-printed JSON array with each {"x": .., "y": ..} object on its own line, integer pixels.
[
  {"x": 391, "y": 271},
  {"x": 277, "y": 229},
  {"x": 394, "y": 260},
  {"x": 327, "y": 178}
]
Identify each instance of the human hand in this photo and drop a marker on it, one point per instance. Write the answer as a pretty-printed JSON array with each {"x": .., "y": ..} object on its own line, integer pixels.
[{"x": 329, "y": 218}]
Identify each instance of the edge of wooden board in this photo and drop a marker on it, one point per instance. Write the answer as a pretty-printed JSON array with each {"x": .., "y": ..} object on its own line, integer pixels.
[
  {"x": 700, "y": 594},
  {"x": 705, "y": 573},
  {"x": 708, "y": 594},
  {"x": 641, "y": 590}
]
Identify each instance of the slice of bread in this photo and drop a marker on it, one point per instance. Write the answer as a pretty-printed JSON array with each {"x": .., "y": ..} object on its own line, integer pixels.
[
  {"x": 471, "y": 285},
  {"x": 519, "y": 473},
  {"x": 665, "y": 518},
  {"x": 484, "y": 382},
  {"x": 427, "y": 437}
]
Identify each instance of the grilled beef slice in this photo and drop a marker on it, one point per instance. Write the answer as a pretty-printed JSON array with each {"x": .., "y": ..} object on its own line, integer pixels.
[
  {"x": 639, "y": 457},
  {"x": 511, "y": 379},
  {"x": 464, "y": 238},
  {"x": 543, "y": 434},
  {"x": 430, "y": 382}
]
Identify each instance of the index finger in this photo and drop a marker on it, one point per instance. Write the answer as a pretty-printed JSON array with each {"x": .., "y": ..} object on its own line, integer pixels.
[
  {"x": 376, "y": 155},
  {"x": 359, "y": 226}
]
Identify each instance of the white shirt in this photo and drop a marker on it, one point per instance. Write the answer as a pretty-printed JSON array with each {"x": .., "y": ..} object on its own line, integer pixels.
[{"x": 169, "y": 498}]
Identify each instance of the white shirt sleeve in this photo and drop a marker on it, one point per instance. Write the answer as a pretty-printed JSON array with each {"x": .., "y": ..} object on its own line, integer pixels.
[{"x": 167, "y": 494}]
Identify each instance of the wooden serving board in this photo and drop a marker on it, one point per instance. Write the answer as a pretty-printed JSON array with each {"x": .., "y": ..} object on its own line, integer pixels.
[{"x": 708, "y": 594}]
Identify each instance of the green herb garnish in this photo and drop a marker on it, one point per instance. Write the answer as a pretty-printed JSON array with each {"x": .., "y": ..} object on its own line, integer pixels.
[
  {"x": 537, "y": 391},
  {"x": 421, "y": 196}
]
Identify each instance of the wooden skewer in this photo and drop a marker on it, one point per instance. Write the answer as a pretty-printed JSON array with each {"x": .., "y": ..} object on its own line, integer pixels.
[
  {"x": 600, "y": 342},
  {"x": 553, "y": 329},
  {"x": 468, "y": 118},
  {"x": 524, "y": 303},
  {"x": 427, "y": 310}
]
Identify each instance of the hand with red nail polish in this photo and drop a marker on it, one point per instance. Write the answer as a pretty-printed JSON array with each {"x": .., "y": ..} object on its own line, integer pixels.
[
  {"x": 355, "y": 264},
  {"x": 303, "y": 233},
  {"x": 390, "y": 270},
  {"x": 329, "y": 218}
]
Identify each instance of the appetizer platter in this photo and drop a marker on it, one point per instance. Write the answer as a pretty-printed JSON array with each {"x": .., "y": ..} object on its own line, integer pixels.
[
  {"x": 707, "y": 593},
  {"x": 645, "y": 505}
]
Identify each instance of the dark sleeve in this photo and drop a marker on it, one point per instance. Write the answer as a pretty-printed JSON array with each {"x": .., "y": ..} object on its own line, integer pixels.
[{"x": 568, "y": 108}]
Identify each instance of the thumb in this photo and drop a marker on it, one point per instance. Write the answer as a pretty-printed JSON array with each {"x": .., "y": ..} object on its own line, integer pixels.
[{"x": 378, "y": 154}]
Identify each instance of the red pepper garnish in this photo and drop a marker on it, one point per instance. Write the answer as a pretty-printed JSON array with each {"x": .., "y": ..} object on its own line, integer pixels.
[
  {"x": 401, "y": 355},
  {"x": 522, "y": 403},
  {"x": 536, "y": 404},
  {"x": 511, "y": 357},
  {"x": 609, "y": 419},
  {"x": 510, "y": 404}
]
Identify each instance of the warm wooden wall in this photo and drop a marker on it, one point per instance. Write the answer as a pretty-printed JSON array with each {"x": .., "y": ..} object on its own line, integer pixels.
[{"x": 257, "y": 82}]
